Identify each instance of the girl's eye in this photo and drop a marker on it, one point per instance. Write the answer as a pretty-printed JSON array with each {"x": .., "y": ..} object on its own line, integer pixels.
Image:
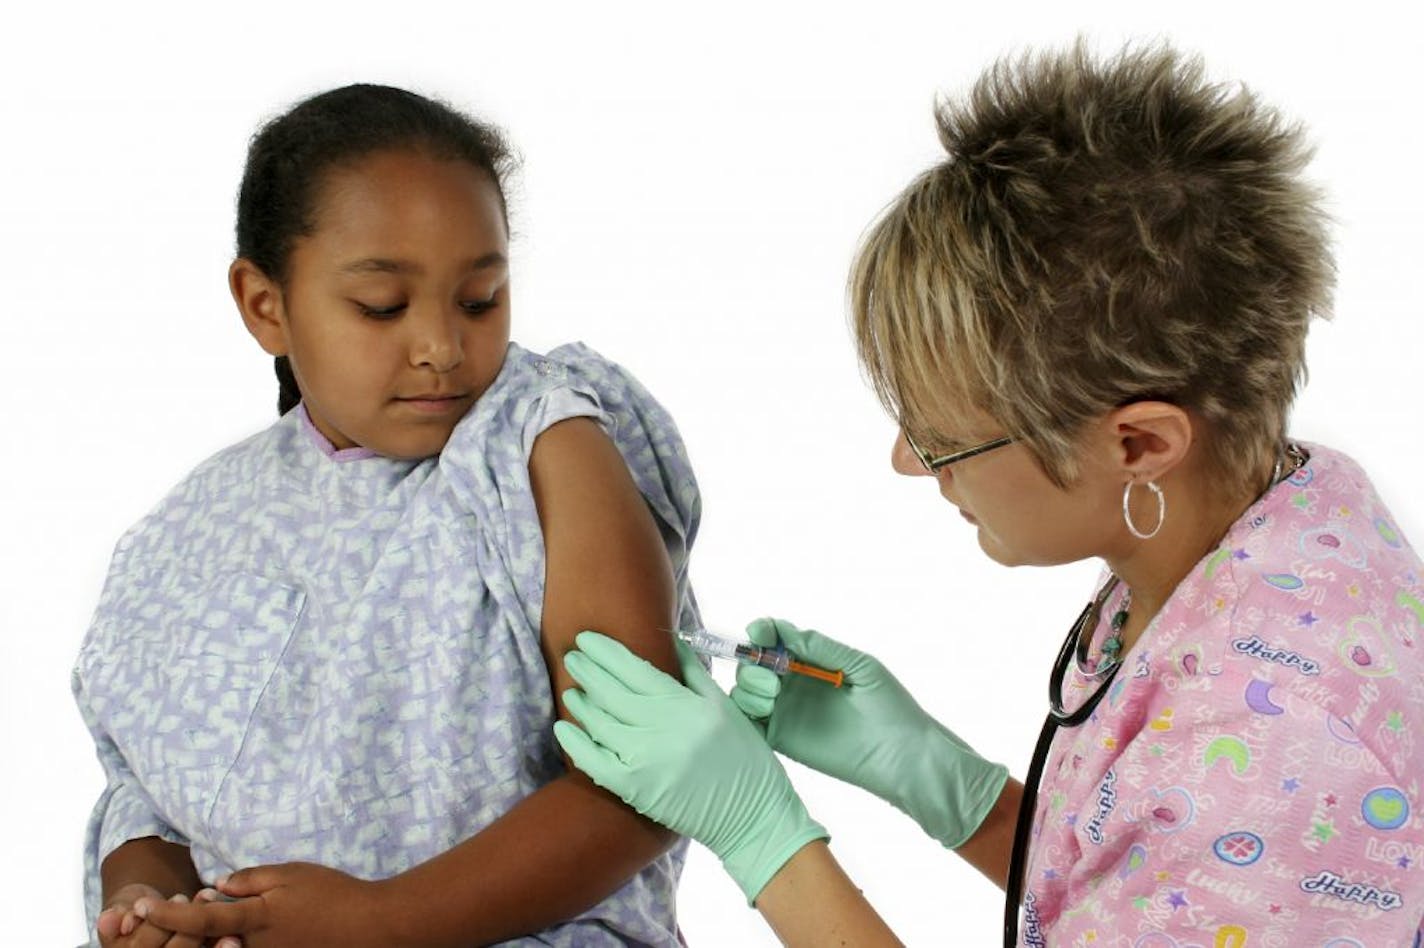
[
  {"x": 380, "y": 312},
  {"x": 475, "y": 307}
]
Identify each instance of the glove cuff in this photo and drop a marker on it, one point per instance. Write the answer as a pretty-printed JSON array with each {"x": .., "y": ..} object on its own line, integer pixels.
[
  {"x": 753, "y": 864},
  {"x": 951, "y": 791}
]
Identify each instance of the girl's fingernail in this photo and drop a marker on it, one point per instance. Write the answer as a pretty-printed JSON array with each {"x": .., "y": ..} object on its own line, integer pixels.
[
  {"x": 178, "y": 897},
  {"x": 222, "y": 881},
  {"x": 140, "y": 909},
  {"x": 126, "y": 927}
]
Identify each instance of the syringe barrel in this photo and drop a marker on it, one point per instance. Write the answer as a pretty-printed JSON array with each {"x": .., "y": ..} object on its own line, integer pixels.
[
  {"x": 773, "y": 658},
  {"x": 700, "y": 640}
]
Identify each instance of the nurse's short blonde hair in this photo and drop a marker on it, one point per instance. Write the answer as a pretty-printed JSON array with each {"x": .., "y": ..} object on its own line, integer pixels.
[{"x": 1102, "y": 231}]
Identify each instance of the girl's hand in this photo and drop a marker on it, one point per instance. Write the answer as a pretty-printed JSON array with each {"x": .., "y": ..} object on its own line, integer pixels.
[
  {"x": 292, "y": 905},
  {"x": 119, "y": 926},
  {"x": 684, "y": 756}
]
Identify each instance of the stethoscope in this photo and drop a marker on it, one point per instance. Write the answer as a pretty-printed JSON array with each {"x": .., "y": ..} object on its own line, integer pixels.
[{"x": 1075, "y": 649}]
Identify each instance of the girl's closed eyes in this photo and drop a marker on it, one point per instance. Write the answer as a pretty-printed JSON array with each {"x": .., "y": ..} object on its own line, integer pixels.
[{"x": 473, "y": 307}]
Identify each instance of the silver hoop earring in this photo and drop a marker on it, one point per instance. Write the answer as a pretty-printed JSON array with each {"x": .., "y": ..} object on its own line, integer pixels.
[{"x": 1127, "y": 510}]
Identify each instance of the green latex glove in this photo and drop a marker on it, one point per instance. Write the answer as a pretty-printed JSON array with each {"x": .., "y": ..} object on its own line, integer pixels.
[
  {"x": 683, "y": 756},
  {"x": 869, "y": 732}
]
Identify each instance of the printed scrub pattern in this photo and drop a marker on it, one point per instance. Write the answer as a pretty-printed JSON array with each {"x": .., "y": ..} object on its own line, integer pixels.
[
  {"x": 1253, "y": 776},
  {"x": 332, "y": 656}
]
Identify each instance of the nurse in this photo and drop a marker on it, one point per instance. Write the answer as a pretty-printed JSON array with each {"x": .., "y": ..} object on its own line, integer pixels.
[{"x": 1089, "y": 320}]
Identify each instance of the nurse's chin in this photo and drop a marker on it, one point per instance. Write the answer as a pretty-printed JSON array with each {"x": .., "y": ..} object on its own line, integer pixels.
[{"x": 1005, "y": 556}]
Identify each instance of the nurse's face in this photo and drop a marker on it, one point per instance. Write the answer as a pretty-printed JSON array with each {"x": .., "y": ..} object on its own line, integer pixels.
[{"x": 1020, "y": 517}]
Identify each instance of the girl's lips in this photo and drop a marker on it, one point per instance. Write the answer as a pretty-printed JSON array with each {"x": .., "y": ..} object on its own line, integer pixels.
[
  {"x": 433, "y": 404},
  {"x": 968, "y": 516}
]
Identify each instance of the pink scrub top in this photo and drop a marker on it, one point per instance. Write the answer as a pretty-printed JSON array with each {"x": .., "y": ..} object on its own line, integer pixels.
[{"x": 1253, "y": 776}]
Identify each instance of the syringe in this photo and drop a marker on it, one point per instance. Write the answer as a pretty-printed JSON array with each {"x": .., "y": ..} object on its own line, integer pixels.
[{"x": 776, "y": 659}]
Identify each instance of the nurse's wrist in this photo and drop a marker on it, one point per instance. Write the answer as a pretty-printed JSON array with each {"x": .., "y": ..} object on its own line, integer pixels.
[
  {"x": 989, "y": 847},
  {"x": 949, "y": 790},
  {"x": 752, "y": 872},
  {"x": 765, "y": 848}
]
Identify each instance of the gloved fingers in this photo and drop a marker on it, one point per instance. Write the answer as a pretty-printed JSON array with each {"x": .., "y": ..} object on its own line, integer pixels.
[
  {"x": 763, "y": 631},
  {"x": 694, "y": 675},
  {"x": 755, "y": 706},
  {"x": 603, "y": 727},
  {"x": 603, "y": 689},
  {"x": 633, "y": 672},
  {"x": 602, "y": 765},
  {"x": 811, "y": 646},
  {"x": 756, "y": 690},
  {"x": 759, "y": 681},
  {"x": 803, "y": 643}
]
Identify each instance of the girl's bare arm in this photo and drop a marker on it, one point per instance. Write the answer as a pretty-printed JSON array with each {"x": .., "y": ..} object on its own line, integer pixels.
[{"x": 569, "y": 845}]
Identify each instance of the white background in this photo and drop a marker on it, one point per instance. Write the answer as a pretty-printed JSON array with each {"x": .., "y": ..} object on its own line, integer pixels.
[{"x": 694, "y": 182}]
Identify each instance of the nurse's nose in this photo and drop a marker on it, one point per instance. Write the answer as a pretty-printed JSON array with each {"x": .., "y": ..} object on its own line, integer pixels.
[{"x": 904, "y": 459}]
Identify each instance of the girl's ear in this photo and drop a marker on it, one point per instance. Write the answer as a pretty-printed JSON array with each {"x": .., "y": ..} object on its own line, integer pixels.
[
  {"x": 259, "y": 300},
  {"x": 1148, "y": 439}
]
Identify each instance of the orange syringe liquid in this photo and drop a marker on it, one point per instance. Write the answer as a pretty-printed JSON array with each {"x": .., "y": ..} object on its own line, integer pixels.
[{"x": 776, "y": 659}]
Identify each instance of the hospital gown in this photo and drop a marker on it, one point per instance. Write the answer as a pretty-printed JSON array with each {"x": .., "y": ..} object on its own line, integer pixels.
[
  {"x": 305, "y": 654},
  {"x": 1253, "y": 776}
]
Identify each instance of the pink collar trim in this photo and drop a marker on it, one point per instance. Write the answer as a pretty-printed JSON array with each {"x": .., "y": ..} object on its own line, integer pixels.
[{"x": 357, "y": 453}]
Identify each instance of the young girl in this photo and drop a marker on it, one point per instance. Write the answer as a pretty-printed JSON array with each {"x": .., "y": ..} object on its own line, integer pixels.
[{"x": 331, "y": 652}]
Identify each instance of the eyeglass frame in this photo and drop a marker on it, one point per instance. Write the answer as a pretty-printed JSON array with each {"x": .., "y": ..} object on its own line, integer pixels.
[{"x": 934, "y": 465}]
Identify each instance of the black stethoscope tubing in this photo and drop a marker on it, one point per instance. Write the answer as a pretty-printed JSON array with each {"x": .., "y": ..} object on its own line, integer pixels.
[
  {"x": 1292, "y": 460},
  {"x": 1074, "y": 645}
]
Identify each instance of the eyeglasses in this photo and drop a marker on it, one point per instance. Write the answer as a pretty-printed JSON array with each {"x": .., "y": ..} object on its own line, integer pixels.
[{"x": 936, "y": 464}]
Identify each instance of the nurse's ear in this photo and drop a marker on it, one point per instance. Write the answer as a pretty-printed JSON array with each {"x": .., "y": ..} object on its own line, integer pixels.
[
  {"x": 259, "y": 300},
  {"x": 1147, "y": 440}
]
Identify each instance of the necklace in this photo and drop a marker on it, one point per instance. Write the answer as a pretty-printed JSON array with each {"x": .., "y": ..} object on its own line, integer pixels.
[
  {"x": 1112, "y": 646},
  {"x": 1289, "y": 461},
  {"x": 1082, "y": 631},
  {"x": 1075, "y": 650}
]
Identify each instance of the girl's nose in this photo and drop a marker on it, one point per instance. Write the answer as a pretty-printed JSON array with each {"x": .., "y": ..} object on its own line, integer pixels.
[
  {"x": 437, "y": 344},
  {"x": 904, "y": 459}
]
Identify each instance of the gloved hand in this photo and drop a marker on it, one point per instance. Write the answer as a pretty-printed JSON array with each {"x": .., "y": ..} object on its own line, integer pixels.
[
  {"x": 683, "y": 756},
  {"x": 869, "y": 732}
]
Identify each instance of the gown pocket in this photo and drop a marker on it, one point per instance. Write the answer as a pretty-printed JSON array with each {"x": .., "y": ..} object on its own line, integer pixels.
[{"x": 174, "y": 671}]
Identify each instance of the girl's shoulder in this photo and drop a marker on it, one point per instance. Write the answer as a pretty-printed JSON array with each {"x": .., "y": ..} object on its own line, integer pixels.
[
  {"x": 534, "y": 390},
  {"x": 487, "y": 457},
  {"x": 227, "y": 481}
]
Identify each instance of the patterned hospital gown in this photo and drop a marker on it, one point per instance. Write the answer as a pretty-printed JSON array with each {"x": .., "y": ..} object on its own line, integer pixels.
[
  {"x": 1253, "y": 776},
  {"x": 333, "y": 656}
]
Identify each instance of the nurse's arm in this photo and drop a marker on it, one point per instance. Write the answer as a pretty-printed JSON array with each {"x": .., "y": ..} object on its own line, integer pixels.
[
  {"x": 989, "y": 849},
  {"x": 811, "y": 902}
]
